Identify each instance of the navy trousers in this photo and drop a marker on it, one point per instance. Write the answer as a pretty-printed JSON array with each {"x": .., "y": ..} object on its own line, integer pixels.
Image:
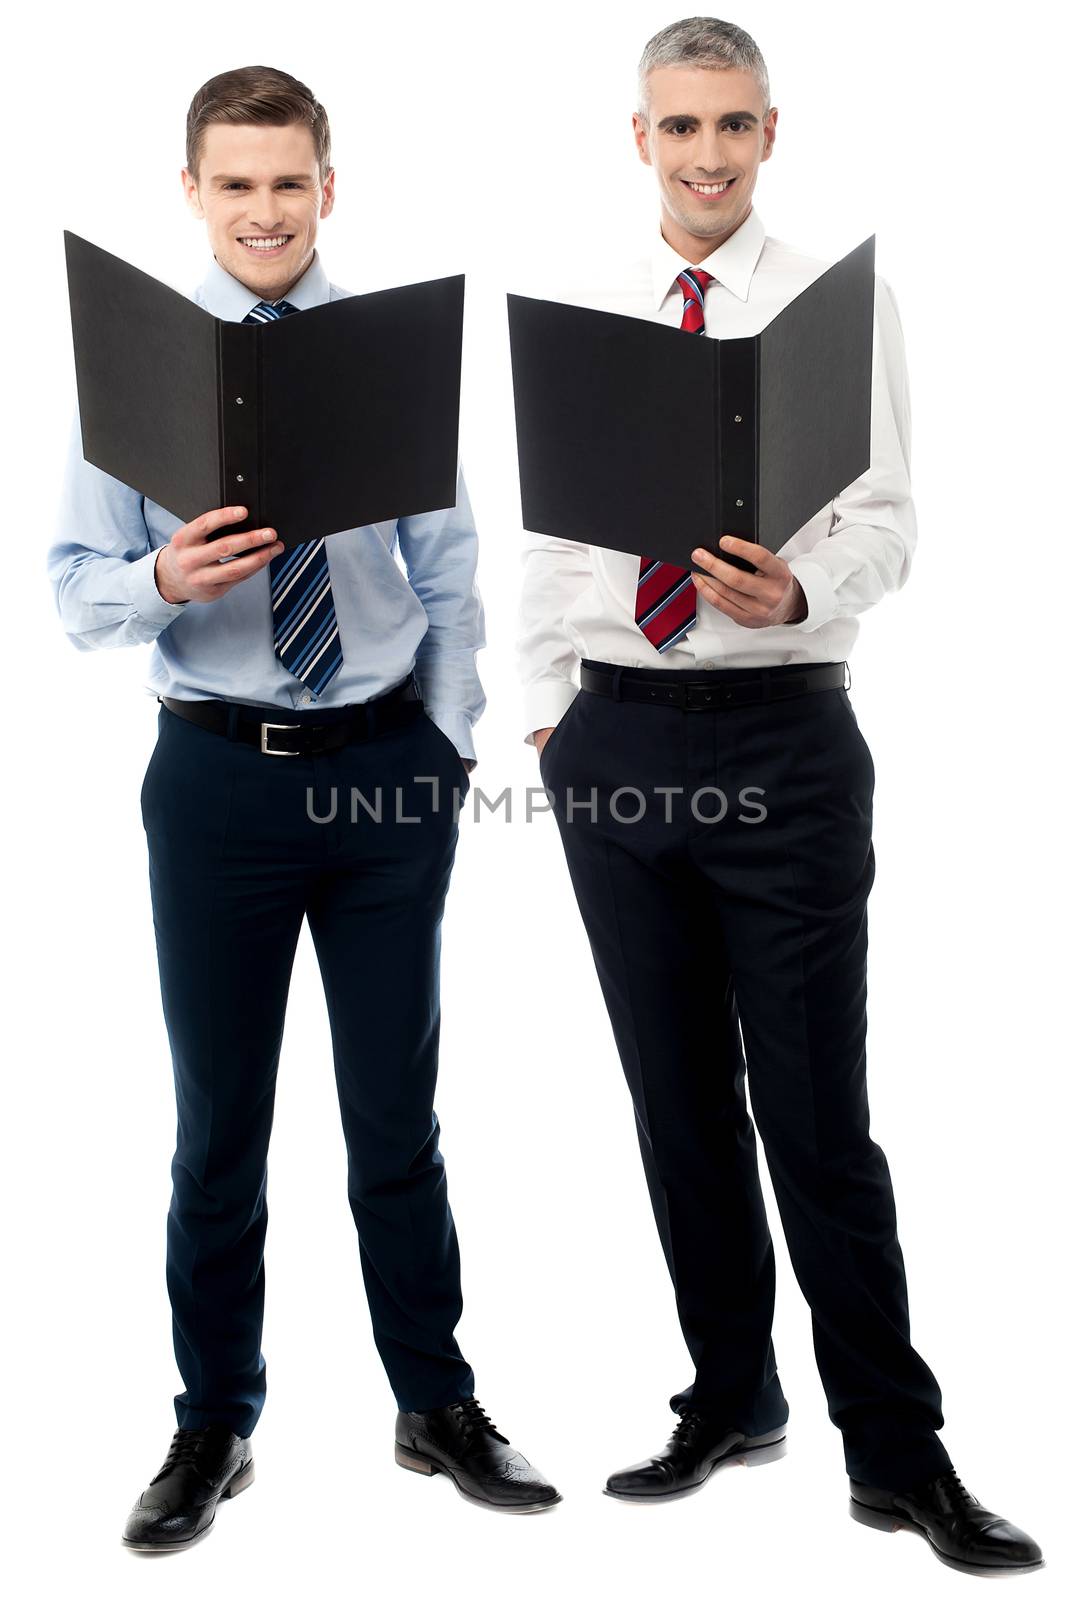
[
  {"x": 237, "y": 860},
  {"x": 727, "y": 922}
]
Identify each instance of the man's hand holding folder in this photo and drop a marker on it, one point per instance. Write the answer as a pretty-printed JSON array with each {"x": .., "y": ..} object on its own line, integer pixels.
[
  {"x": 765, "y": 598},
  {"x": 191, "y": 568}
]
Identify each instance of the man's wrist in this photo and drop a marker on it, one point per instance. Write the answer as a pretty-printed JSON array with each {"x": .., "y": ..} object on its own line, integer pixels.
[
  {"x": 145, "y": 599},
  {"x": 159, "y": 587},
  {"x": 819, "y": 592},
  {"x": 799, "y": 610}
]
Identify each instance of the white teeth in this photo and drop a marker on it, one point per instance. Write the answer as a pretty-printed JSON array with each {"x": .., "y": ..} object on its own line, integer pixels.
[
  {"x": 710, "y": 188},
  {"x": 267, "y": 244}
]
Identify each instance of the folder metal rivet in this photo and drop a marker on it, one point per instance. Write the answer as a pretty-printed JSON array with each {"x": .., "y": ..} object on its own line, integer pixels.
[
  {"x": 735, "y": 419},
  {"x": 739, "y": 502},
  {"x": 240, "y": 402},
  {"x": 240, "y": 477}
]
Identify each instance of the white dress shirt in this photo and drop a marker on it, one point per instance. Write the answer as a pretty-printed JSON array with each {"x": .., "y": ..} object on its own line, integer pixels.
[{"x": 579, "y": 600}]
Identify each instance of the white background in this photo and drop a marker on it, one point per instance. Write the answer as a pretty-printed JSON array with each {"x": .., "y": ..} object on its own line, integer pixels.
[{"x": 493, "y": 141}]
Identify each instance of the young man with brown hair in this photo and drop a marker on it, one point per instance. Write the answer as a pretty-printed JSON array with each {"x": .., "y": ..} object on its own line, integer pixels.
[{"x": 357, "y": 677}]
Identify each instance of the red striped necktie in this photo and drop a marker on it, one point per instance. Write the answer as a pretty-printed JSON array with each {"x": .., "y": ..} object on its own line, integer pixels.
[{"x": 665, "y": 594}]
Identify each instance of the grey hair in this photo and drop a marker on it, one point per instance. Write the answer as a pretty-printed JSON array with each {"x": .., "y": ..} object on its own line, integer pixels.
[{"x": 702, "y": 42}]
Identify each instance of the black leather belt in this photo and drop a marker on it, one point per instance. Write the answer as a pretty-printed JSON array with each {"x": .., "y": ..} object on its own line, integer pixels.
[
  {"x": 726, "y": 687},
  {"x": 317, "y": 732}
]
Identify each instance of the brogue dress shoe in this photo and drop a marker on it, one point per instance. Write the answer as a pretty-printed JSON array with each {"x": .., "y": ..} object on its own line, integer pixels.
[
  {"x": 462, "y": 1442},
  {"x": 203, "y": 1466},
  {"x": 961, "y": 1532},
  {"x": 696, "y": 1448}
]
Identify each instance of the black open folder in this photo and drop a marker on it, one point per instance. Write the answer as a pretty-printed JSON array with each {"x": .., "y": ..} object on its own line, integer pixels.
[
  {"x": 342, "y": 415},
  {"x": 647, "y": 439}
]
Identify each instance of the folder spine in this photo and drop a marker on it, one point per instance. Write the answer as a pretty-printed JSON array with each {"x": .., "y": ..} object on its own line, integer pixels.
[
  {"x": 240, "y": 405},
  {"x": 737, "y": 437}
]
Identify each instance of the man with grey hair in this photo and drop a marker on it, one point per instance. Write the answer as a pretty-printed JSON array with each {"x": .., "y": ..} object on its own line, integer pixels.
[{"x": 734, "y": 679}]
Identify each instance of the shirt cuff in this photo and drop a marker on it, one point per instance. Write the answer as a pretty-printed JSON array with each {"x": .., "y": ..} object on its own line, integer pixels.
[
  {"x": 459, "y": 729},
  {"x": 547, "y": 702},
  {"x": 144, "y": 596},
  {"x": 816, "y": 585}
]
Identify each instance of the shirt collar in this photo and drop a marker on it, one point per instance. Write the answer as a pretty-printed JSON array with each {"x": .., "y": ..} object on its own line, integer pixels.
[
  {"x": 732, "y": 263},
  {"x": 225, "y": 296}
]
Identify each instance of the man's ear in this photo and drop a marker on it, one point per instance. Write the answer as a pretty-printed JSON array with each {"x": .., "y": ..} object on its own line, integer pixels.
[
  {"x": 769, "y": 133},
  {"x": 192, "y": 192},
  {"x": 639, "y": 128},
  {"x": 328, "y": 193}
]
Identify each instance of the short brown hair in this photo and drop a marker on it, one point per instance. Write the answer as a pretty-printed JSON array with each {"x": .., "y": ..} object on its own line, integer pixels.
[{"x": 263, "y": 95}]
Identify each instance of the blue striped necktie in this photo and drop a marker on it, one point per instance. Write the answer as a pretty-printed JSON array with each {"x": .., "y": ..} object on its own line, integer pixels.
[{"x": 306, "y": 634}]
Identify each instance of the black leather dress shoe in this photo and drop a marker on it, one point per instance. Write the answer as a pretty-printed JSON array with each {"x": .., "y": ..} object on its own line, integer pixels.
[
  {"x": 962, "y": 1532},
  {"x": 461, "y": 1441},
  {"x": 693, "y": 1452},
  {"x": 203, "y": 1466}
]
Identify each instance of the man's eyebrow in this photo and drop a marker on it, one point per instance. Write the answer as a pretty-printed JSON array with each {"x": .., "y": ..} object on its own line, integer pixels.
[
  {"x": 727, "y": 116},
  {"x": 239, "y": 177}
]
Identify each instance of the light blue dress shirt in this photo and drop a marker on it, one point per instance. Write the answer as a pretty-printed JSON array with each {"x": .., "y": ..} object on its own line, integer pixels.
[{"x": 102, "y": 570}]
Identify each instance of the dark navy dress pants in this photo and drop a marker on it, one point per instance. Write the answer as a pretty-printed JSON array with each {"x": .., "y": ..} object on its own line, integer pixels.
[
  {"x": 236, "y": 863},
  {"x": 729, "y": 935}
]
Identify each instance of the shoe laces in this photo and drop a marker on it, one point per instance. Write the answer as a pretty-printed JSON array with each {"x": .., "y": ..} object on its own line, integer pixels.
[
  {"x": 184, "y": 1449},
  {"x": 471, "y": 1417},
  {"x": 954, "y": 1491},
  {"x": 687, "y": 1428}
]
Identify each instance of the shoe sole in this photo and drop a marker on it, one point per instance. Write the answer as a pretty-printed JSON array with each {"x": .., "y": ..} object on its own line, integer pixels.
[
  {"x": 756, "y": 1452},
  {"x": 236, "y": 1485},
  {"x": 428, "y": 1468},
  {"x": 898, "y": 1522}
]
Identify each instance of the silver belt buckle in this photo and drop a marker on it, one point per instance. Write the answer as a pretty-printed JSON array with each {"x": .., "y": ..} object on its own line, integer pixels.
[{"x": 264, "y": 739}]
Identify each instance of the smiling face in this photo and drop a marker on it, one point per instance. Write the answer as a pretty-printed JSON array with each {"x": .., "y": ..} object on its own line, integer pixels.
[
  {"x": 261, "y": 193},
  {"x": 705, "y": 137}
]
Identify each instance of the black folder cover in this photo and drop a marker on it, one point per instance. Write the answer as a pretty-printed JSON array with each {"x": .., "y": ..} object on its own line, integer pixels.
[
  {"x": 344, "y": 415},
  {"x": 646, "y": 439}
]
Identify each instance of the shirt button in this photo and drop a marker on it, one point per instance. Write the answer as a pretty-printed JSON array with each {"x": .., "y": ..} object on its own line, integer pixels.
[{"x": 305, "y": 699}]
